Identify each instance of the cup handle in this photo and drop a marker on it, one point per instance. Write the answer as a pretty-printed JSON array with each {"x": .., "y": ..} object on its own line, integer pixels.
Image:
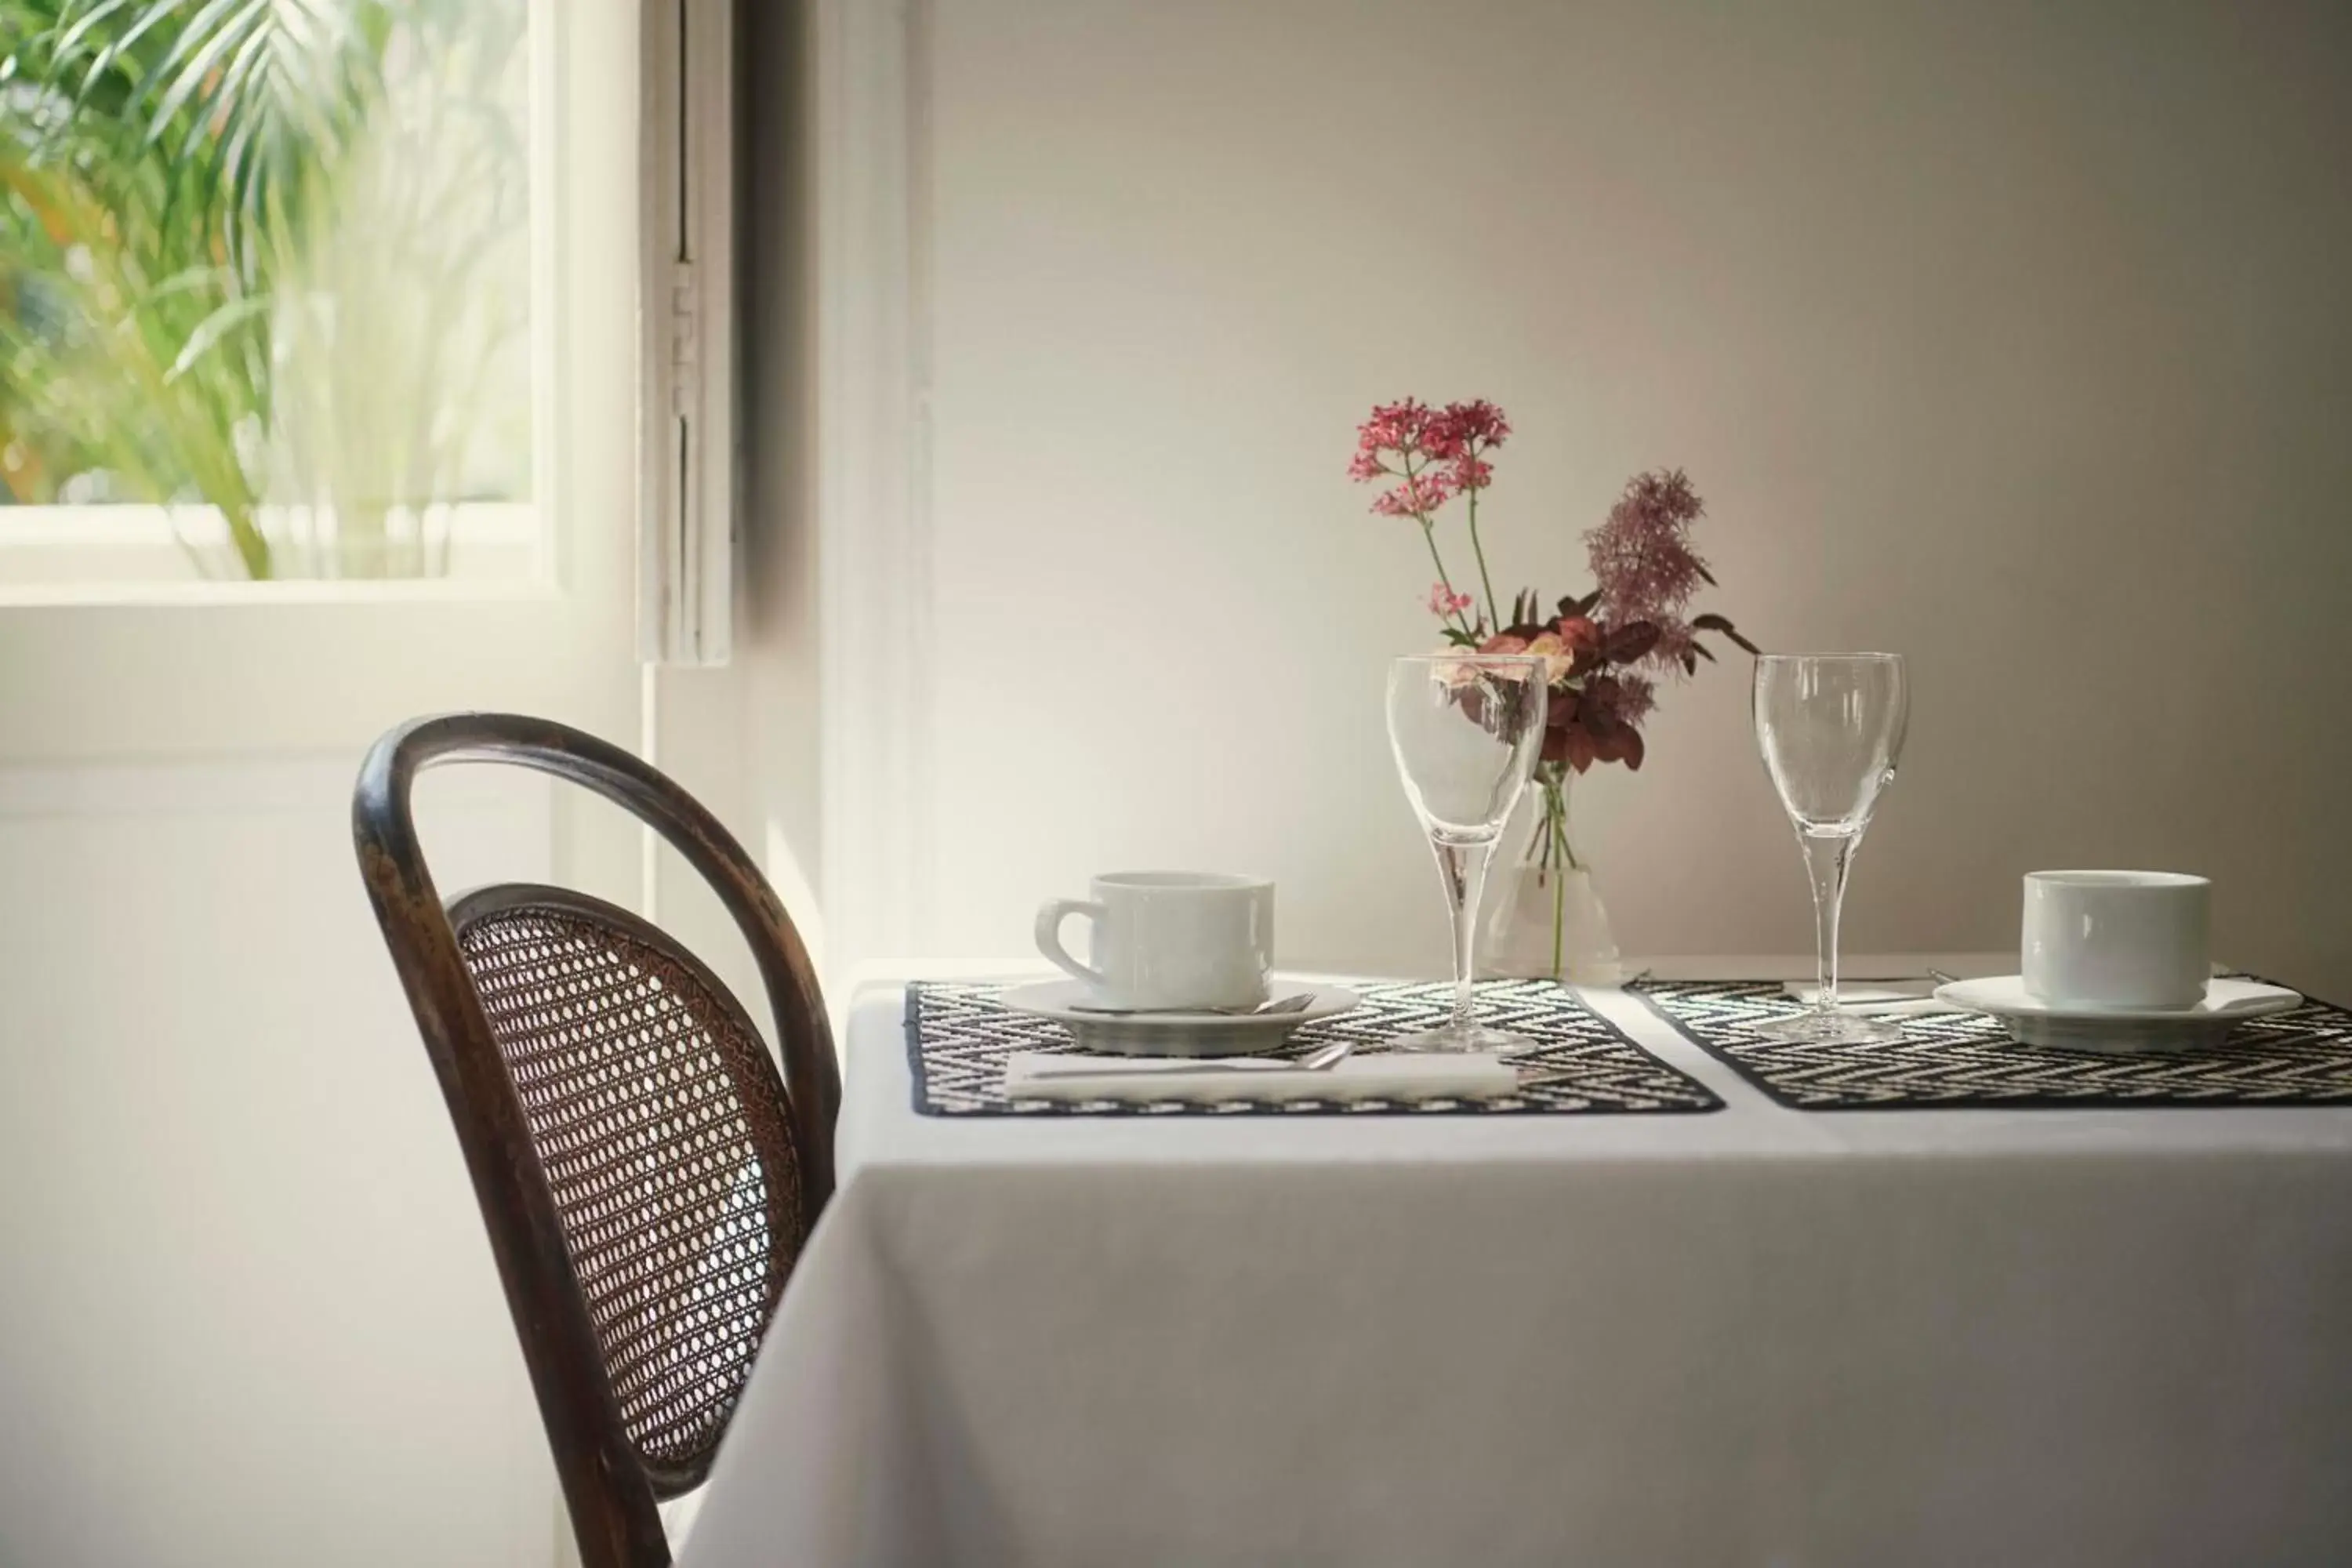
[{"x": 1050, "y": 916}]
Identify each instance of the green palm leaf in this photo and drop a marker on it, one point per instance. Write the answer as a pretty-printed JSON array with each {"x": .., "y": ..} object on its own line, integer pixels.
[
  {"x": 188, "y": 190},
  {"x": 257, "y": 101}
]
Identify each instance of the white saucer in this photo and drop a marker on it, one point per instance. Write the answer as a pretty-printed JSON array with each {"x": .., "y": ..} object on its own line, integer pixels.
[
  {"x": 2034, "y": 1022},
  {"x": 1177, "y": 1034}
]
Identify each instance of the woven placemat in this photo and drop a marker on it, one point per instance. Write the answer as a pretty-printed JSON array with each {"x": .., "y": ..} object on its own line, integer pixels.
[
  {"x": 1965, "y": 1060},
  {"x": 958, "y": 1035}
]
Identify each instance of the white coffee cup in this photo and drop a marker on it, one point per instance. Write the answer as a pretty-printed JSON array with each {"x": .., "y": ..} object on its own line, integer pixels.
[
  {"x": 2118, "y": 939},
  {"x": 1169, "y": 939}
]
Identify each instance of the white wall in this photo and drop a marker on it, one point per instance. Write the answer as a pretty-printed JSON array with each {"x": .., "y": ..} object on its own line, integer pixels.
[
  {"x": 248, "y": 1311},
  {"x": 2017, "y": 338}
]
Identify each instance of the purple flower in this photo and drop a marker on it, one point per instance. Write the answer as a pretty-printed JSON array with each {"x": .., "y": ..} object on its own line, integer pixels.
[
  {"x": 1636, "y": 696},
  {"x": 1641, "y": 556}
]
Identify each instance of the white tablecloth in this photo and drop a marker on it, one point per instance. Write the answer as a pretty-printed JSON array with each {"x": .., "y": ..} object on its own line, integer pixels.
[{"x": 1759, "y": 1336}]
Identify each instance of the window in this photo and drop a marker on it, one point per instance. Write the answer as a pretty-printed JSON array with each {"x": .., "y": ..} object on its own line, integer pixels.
[{"x": 266, "y": 290}]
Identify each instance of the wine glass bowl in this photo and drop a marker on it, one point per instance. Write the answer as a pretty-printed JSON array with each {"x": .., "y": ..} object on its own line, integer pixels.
[
  {"x": 1831, "y": 728},
  {"x": 1465, "y": 729}
]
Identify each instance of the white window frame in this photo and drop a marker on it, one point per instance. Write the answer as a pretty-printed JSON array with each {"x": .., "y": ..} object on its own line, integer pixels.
[
  {"x": 687, "y": 453},
  {"x": 115, "y": 552},
  {"x": 107, "y": 669}
]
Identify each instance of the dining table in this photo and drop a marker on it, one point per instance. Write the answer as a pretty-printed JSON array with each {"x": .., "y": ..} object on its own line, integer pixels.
[{"x": 1764, "y": 1325}]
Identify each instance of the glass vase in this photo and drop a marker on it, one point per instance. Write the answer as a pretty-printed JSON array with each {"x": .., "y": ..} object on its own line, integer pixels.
[{"x": 1545, "y": 917}]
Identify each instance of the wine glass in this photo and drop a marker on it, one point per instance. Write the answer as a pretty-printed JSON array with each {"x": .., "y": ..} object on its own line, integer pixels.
[
  {"x": 1831, "y": 728},
  {"x": 1465, "y": 729}
]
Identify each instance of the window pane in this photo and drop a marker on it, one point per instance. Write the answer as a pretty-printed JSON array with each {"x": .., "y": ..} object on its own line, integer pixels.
[{"x": 265, "y": 287}]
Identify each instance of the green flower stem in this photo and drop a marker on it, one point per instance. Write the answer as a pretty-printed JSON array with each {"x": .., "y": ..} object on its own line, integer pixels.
[
  {"x": 1494, "y": 606},
  {"x": 1563, "y": 853},
  {"x": 1558, "y": 925},
  {"x": 1552, "y": 855},
  {"x": 1566, "y": 846},
  {"x": 1429, "y": 534}
]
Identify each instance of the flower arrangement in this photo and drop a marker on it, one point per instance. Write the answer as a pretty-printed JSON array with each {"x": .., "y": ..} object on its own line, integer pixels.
[{"x": 1608, "y": 649}]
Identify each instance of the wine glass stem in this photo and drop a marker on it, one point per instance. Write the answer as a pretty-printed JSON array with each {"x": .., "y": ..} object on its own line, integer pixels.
[
  {"x": 1463, "y": 868},
  {"x": 1827, "y": 856}
]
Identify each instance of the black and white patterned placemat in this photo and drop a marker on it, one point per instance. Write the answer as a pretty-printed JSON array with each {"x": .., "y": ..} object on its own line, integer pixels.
[
  {"x": 1966, "y": 1060},
  {"x": 958, "y": 1035}
]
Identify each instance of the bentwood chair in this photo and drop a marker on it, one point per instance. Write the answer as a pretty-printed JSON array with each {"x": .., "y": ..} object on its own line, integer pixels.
[{"x": 646, "y": 1177}]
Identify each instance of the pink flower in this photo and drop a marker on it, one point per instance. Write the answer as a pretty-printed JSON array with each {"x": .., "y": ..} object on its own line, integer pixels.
[
  {"x": 1465, "y": 429},
  {"x": 1417, "y": 497},
  {"x": 1436, "y": 451},
  {"x": 1394, "y": 427},
  {"x": 1504, "y": 642},
  {"x": 1641, "y": 556},
  {"x": 1444, "y": 602}
]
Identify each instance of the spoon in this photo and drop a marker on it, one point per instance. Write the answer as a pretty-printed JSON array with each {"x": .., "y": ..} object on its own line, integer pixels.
[{"x": 1298, "y": 1004}]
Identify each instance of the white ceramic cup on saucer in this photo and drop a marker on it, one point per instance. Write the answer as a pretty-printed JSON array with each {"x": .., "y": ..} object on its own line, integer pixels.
[
  {"x": 1169, "y": 939},
  {"x": 2118, "y": 939}
]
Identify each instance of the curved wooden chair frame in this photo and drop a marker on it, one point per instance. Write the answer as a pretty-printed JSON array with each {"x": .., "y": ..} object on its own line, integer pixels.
[{"x": 611, "y": 1483}]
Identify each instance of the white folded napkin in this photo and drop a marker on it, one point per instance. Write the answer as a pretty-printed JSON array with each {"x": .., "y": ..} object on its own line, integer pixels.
[{"x": 1401, "y": 1077}]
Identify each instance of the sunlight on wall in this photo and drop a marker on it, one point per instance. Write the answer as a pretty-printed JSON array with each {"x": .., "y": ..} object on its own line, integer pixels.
[{"x": 799, "y": 894}]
